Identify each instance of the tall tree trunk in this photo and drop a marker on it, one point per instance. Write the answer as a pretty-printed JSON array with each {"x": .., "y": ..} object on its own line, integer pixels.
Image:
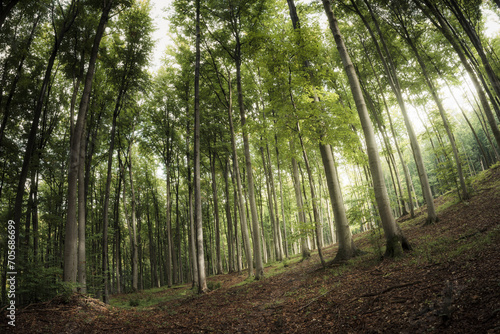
[
  {"x": 392, "y": 77},
  {"x": 218, "y": 260},
  {"x": 230, "y": 238},
  {"x": 202, "y": 282},
  {"x": 259, "y": 266},
  {"x": 106, "y": 208},
  {"x": 82, "y": 212},
  {"x": 135, "y": 255},
  {"x": 70, "y": 246},
  {"x": 168, "y": 230},
  {"x": 285, "y": 237},
  {"x": 346, "y": 247},
  {"x": 244, "y": 228},
  {"x": 267, "y": 173},
  {"x": 30, "y": 145},
  {"x": 306, "y": 252},
  {"x": 440, "y": 22},
  {"x": 192, "y": 234},
  {"x": 395, "y": 240},
  {"x": 437, "y": 100},
  {"x": 236, "y": 238},
  {"x": 314, "y": 199},
  {"x": 279, "y": 240}
]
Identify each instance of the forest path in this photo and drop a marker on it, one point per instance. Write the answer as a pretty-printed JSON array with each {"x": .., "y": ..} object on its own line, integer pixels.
[{"x": 449, "y": 283}]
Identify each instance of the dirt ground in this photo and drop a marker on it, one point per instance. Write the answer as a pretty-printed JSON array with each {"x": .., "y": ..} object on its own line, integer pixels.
[{"x": 449, "y": 283}]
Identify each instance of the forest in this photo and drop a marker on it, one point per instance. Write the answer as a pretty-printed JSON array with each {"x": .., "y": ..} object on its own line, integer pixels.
[{"x": 272, "y": 133}]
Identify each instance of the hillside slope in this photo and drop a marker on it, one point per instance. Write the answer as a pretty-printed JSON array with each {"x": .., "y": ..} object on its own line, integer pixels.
[{"x": 449, "y": 283}]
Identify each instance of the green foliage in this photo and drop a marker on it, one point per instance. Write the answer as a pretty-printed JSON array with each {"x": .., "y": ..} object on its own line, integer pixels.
[
  {"x": 39, "y": 283},
  {"x": 134, "y": 302}
]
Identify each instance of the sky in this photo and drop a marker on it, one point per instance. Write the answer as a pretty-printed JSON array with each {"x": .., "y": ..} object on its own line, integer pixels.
[{"x": 161, "y": 35}]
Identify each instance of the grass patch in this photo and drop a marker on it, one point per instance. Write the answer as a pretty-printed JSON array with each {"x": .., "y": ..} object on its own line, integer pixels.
[{"x": 281, "y": 267}]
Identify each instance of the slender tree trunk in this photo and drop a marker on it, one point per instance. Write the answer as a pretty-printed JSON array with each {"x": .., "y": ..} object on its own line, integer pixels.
[
  {"x": 306, "y": 252},
  {"x": 390, "y": 70},
  {"x": 218, "y": 260},
  {"x": 279, "y": 240},
  {"x": 314, "y": 200},
  {"x": 168, "y": 230},
  {"x": 202, "y": 282},
  {"x": 437, "y": 100},
  {"x": 259, "y": 266},
  {"x": 395, "y": 241},
  {"x": 476, "y": 41},
  {"x": 106, "y": 208},
  {"x": 441, "y": 23},
  {"x": 135, "y": 255},
  {"x": 236, "y": 238},
  {"x": 30, "y": 145},
  {"x": 70, "y": 246},
  {"x": 82, "y": 211},
  {"x": 267, "y": 173},
  {"x": 230, "y": 238},
  {"x": 192, "y": 229},
  {"x": 244, "y": 228},
  {"x": 285, "y": 237},
  {"x": 346, "y": 247}
]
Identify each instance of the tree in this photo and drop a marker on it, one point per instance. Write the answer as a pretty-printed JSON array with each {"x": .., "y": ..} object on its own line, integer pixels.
[
  {"x": 392, "y": 77},
  {"x": 347, "y": 249},
  {"x": 202, "y": 283},
  {"x": 71, "y": 234},
  {"x": 395, "y": 240},
  {"x": 60, "y": 29}
]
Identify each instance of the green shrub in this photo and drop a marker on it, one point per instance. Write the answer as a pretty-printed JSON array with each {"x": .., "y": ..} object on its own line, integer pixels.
[
  {"x": 213, "y": 285},
  {"x": 134, "y": 302}
]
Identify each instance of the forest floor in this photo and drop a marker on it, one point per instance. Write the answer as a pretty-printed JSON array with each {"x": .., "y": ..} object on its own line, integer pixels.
[{"x": 449, "y": 283}]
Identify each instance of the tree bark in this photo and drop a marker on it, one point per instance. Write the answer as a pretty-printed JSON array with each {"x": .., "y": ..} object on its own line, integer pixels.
[
  {"x": 230, "y": 238},
  {"x": 202, "y": 282},
  {"x": 218, "y": 260},
  {"x": 259, "y": 266},
  {"x": 346, "y": 247},
  {"x": 285, "y": 237},
  {"x": 82, "y": 212},
  {"x": 244, "y": 228},
  {"x": 135, "y": 255},
  {"x": 395, "y": 240},
  {"x": 314, "y": 200},
  {"x": 390, "y": 70},
  {"x": 437, "y": 100},
  {"x": 30, "y": 145},
  {"x": 306, "y": 252}
]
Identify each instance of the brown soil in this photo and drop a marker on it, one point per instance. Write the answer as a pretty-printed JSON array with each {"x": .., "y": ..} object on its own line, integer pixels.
[{"x": 449, "y": 283}]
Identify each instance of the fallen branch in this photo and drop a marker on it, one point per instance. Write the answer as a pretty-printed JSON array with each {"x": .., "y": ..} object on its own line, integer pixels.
[{"x": 390, "y": 289}]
